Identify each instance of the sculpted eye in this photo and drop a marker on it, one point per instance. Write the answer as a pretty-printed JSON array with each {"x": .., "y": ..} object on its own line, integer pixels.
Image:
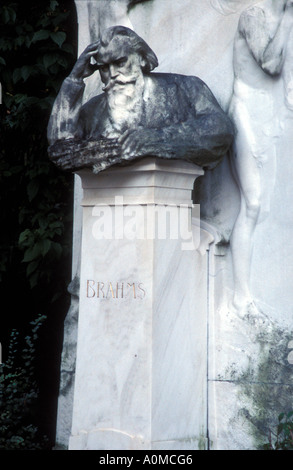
[{"x": 121, "y": 62}]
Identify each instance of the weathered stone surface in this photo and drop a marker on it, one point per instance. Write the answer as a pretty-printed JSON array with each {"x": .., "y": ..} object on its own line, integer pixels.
[
  {"x": 67, "y": 372},
  {"x": 140, "y": 380},
  {"x": 72, "y": 155}
]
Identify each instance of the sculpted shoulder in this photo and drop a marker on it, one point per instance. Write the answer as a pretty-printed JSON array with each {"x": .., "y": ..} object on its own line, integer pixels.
[
  {"x": 251, "y": 17},
  {"x": 179, "y": 92},
  {"x": 187, "y": 82}
]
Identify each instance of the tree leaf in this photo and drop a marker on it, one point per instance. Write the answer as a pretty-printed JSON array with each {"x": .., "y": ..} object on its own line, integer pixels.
[
  {"x": 68, "y": 48},
  {"x": 41, "y": 35},
  {"x": 19, "y": 41},
  {"x": 34, "y": 279},
  {"x": 63, "y": 62},
  {"x": 57, "y": 249},
  {"x": 5, "y": 15},
  {"x": 49, "y": 59},
  {"x": 25, "y": 72},
  {"x": 32, "y": 267},
  {"x": 53, "y": 5},
  {"x": 58, "y": 37},
  {"x": 24, "y": 236},
  {"x": 32, "y": 253},
  {"x": 32, "y": 189},
  {"x": 12, "y": 14},
  {"x": 16, "y": 76},
  {"x": 45, "y": 245}
]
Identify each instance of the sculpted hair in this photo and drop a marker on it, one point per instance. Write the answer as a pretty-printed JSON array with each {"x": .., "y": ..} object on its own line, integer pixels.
[{"x": 136, "y": 43}]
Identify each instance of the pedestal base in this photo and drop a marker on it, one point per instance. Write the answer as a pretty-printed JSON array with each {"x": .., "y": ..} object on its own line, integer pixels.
[{"x": 141, "y": 354}]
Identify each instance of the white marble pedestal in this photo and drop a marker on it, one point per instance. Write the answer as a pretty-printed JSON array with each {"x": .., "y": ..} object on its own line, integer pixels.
[{"x": 141, "y": 354}]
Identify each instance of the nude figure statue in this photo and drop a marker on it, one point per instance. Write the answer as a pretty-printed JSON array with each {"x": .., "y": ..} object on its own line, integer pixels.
[{"x": 259, "y": 52}]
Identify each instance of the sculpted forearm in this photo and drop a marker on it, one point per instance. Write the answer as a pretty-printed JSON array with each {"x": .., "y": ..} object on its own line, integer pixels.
[
  {"x": 268, "y": 49},
  {"x": 273, "y": 57},
  {"x": 65, "y": 113}
]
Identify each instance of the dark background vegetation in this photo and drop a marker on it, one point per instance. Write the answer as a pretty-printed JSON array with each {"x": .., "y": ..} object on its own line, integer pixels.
[{"x": 38, "y": 47}]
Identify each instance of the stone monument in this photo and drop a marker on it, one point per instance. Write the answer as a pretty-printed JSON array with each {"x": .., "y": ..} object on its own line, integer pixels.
[
  {"x": 138, "y": 147},
  {"x": 227, "y": 323}
]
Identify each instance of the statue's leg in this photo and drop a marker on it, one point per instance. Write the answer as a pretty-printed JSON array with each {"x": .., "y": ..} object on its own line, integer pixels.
[{"x": 248, "y": 176}]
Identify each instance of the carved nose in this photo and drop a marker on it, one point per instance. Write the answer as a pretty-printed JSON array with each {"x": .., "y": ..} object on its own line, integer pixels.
[{"x": 113, "y": 71}]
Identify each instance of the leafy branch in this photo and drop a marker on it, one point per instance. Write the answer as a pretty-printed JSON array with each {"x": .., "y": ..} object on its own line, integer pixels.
[
  {"x": 35, "y": 57},
  {"x": 19, "y": 394},
  {"x": 282, "y": 438},
  {"x": 37, "y": 51}
]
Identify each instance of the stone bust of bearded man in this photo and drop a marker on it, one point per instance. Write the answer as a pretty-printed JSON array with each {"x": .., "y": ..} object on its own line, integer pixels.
[{"x": 139, "y": 113}]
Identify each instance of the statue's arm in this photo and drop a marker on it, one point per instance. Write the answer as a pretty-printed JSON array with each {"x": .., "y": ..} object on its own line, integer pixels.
[
  {"x": 267, "y": 47},
  {"x": 65, "y": 113},
  {"x": 63, "y": 123}
]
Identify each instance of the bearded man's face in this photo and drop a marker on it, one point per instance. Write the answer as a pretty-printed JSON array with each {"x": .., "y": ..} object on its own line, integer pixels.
[
  {"x": 118, "y": 65},
  {"x": 121, "y": 72}
]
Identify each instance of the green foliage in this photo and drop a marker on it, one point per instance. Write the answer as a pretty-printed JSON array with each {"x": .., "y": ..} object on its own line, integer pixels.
[
  {"x": 19, "y": 394},
  {"x": 37, "y": 51},
  {"x": 282, "y": 439},
  {"x": 35, "y": 56}
]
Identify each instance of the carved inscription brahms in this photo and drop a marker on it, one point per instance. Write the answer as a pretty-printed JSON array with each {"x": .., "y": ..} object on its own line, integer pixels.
[{"x": 114, "y": 290}]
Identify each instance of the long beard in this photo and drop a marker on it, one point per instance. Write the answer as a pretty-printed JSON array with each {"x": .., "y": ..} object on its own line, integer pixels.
[{"x": 125, "y": 104}]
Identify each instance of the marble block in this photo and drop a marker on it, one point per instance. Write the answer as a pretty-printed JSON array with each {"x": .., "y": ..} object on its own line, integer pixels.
[{"x": 140, "y": 378}]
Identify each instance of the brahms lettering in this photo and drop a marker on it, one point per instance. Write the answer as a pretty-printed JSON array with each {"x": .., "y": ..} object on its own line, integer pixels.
[{"x": 114, "y": 290}]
